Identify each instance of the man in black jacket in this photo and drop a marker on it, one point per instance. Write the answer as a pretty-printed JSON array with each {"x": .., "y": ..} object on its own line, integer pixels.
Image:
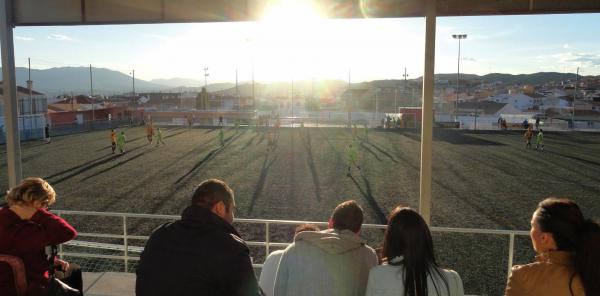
[{"x": 201, "y": 254}]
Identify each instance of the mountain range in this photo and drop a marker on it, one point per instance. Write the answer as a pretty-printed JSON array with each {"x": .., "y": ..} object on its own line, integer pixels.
[{"x": 66, "y": 80}]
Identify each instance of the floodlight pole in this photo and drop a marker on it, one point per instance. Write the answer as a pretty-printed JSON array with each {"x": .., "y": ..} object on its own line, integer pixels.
[
  {"x": 459, "y": 37},
  {"x": 405, "y": 84},
  {"x": 92, "y": 94},
  {"x": 13, "y": 145},
  {"x": 427, "y": 113}
]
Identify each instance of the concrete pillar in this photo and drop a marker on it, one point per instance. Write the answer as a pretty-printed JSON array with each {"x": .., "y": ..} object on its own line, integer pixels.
[{"x": 427, "y": 113}]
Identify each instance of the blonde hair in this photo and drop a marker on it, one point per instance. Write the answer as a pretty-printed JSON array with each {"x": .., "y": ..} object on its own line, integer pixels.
[{"x": 30, "y": 190}]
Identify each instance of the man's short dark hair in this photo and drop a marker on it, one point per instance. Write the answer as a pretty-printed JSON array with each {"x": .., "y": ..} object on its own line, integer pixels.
[
  {"x": 211, "y": 192},
  {"x": 347, "y": 215}
]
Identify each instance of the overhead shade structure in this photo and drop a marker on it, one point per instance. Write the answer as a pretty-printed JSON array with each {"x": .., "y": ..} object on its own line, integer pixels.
[{"x": 82, "y": 12}]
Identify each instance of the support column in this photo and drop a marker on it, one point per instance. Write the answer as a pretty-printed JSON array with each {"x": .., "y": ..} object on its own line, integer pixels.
[
  {"x": 11, "y": 124},
  {"x": 427, "y": 113}
]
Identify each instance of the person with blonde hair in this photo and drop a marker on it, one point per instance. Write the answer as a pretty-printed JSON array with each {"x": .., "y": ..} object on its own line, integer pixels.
[{"x": 26, "y": 228}]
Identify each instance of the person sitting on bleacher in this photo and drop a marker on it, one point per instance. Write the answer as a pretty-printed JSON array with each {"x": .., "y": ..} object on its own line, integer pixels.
[
  {"x": 332, "y": 262},
  {"x": 568, "y": 248},
  {"x": 201, "y": 254},
  {"x": 26, "y": 228},
  {"x": 409, "y": 266}
]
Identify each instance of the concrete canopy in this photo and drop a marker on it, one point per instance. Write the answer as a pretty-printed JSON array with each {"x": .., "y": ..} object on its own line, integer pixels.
[{"x": 90, "y": 12}]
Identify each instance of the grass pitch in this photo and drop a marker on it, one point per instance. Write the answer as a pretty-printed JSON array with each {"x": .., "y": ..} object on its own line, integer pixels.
[{"x": 483, "y": 179}]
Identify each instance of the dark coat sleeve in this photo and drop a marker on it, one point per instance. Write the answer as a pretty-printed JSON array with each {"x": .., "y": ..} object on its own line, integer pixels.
[{"x": 242, "y": 280}]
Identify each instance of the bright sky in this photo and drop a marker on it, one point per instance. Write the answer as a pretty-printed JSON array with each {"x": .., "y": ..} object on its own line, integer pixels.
[{"x": 281, "y": 49}]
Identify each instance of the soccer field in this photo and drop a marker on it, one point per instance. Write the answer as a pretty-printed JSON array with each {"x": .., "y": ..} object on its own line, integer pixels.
[{"x": 481, "y": 179}]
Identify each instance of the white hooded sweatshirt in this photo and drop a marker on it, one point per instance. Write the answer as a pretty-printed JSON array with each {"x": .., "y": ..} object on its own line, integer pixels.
[{"x": 327, "y": 263}]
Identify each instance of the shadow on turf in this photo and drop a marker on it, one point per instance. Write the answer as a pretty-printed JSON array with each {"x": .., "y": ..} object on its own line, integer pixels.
[
  {"x": 457, "y": 137},
  {"x": 306, "y": 140},
  {"x": 210, "y": 155},
  {"x": 128, "y": 141},
  {"x": 118, "y": 164},
  {"x": 368, "y": 195},
  {"x": 74, "y": 171},
  {"x": 249, "y": 142},
  {"x": 261, "y": 181}
]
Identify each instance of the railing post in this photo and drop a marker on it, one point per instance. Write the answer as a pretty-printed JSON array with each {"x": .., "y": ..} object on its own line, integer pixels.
[
  {"x": 511, "y": 246},
  {"x": 267, "y": 238},
  {"x": 126, "y": 249}
]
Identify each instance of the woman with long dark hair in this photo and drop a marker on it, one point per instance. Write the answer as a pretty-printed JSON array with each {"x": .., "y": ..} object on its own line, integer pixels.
[
  {"x": 568, "y": 248},
  {"x": 409, "y": 266}
]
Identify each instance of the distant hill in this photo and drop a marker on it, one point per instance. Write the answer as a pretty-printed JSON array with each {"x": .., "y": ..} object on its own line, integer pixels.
[
  {"x": 535, "y": 78},
  {"x": 304, "y": 88},
  {"x": 178, "y": 82},
  {"x": 214, "y": 87},
  {"x": 55, "y": 81}
]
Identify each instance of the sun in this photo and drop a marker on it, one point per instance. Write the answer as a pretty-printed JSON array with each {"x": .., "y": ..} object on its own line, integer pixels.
[{"x": 291, "y": 11}]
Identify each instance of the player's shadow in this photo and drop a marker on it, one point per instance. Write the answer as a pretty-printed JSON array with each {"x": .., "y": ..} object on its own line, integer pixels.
[
  {"x": 338, "y": 154},
  {"x": 175, "y": 134},
  {"x": 81, "y": 169},
  {"x": 368, "y": 195},
  {"x": 306, "y": 140},
  {"x": 362, "y": 144},
  {"x": 210, "y": 130},
  {"x": 372, "y": 143},
  {"x": 209, "y": 156},
  {"x": 261, "y": 181},
  {"x": 77, "y": 166},
  {"x": 116, "y": 165},
  {"x": 249, "y": 142},
  {"x": 128, "y": 141}
]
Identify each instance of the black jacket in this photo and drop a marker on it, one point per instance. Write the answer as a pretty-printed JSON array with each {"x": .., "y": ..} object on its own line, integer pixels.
[{"x": 201, "y": 254}]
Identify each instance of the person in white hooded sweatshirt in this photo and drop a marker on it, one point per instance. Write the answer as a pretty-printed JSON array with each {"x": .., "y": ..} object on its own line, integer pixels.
[{"x": 332, "y": 262}]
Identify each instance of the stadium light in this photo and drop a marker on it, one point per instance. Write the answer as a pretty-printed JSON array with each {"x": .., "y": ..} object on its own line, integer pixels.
[{"x": 459, "y": 37}]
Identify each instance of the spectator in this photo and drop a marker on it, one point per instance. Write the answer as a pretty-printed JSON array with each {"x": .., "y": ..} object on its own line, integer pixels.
[
  {"x": 332, "y": 262},
  {"x": 201, "y": 254},
  {"x": 26, "y": 228},
  {"x": 269, "y": 269},
  {"x": 568, "y": 257},
  {"x": 409, "y": 266}
]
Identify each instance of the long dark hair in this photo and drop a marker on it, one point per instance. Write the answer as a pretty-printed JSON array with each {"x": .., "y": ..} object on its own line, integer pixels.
[
  {"x": 573, "y": 233},
  {"x": 408, "y": 235}
]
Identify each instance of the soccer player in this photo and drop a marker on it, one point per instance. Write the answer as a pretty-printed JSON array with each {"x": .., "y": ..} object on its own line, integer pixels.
[
  {"x": 113, "y": 140},
  {"x": 159, "y": 137},
  {"x": 121, "y": 142},
  {"x": 150, "y": 132},
  {"x": 539, "y": 141},
  {"x": 221, "y": 121},
  {"x": 47, "y": 133},
  {"x": 366, "y": 137},
  {"x": 352, "y": 157},
  {"x": 527, "y": 136}
]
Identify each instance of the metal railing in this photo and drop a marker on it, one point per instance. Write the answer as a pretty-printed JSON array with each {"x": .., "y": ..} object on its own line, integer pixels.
[{"x": 127, "y": 249}]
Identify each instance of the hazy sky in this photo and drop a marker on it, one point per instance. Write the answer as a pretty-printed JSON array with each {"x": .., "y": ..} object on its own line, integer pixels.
[{"x": 323, "y": 49}]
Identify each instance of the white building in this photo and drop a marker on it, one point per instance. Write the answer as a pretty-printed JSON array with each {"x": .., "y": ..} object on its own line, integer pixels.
[{"x": 520, "y": 102}]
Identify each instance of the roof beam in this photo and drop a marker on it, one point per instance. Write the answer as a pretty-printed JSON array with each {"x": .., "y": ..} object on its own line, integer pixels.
[{"x": 93, "y": 12}]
